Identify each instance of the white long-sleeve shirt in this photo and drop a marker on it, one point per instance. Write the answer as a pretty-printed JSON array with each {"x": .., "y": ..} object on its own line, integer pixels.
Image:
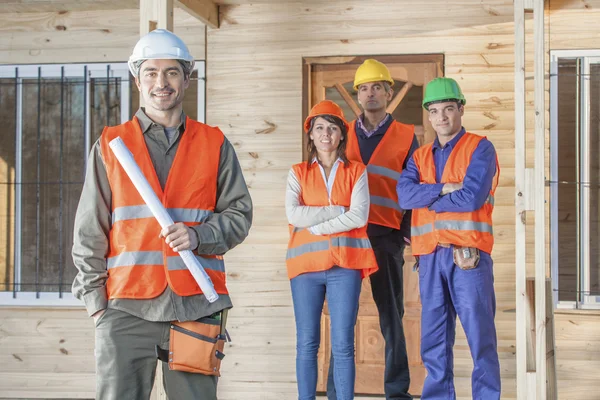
[{"x": 326, "y": 220}]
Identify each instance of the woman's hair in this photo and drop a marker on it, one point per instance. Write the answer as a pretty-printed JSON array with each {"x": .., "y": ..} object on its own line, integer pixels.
[{"x": 311, "y": 149}]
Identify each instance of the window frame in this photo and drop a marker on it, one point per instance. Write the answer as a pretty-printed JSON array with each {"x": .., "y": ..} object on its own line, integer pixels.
[
  {"x": 584, "y": 301},
  {"x": 74, "y": 70}
]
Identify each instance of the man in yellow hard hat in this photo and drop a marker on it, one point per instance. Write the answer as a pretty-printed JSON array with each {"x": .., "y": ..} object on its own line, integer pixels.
[{"x": 384, "y": 145}]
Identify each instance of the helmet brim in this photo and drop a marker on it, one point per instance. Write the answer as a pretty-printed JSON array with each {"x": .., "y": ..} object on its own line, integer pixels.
[
  {"x": 443, "y": 100},
  {"x": 134, "y": 68}
]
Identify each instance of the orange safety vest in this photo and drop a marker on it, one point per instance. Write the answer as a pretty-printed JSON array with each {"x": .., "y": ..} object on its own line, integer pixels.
[
  {"x": 470, "y": 229},
  {"x": 139, "y": 263},
  {"x": 310, "y": 253},
  {"x": 384, "y": 169}
]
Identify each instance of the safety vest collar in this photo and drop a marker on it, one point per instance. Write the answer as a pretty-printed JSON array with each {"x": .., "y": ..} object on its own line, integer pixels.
[
  {"x": 387, "y": 172},
  {"x": 326, "y": 244},
  {"x": 385, "y": 202}
]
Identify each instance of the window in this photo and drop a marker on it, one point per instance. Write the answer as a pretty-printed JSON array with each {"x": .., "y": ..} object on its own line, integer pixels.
[
  {"x": 575, "y": 178},
  {"x": 50, "y": 116}
]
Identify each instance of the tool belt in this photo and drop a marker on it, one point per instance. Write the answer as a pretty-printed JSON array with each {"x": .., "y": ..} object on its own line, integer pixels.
[
  {"x": 196, "y": 346},
  {"x": 466, "y": 257}
]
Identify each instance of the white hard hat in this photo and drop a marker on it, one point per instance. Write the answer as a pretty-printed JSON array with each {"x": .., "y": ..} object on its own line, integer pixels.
[{"x": 159, "y": 44}]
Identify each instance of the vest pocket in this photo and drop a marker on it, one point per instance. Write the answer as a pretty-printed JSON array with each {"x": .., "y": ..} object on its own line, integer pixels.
[{"x": 196, "y": 346}]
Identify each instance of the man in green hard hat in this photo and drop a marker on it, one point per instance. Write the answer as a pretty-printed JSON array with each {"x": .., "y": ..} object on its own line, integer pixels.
[{"x": 449, "y": 185}]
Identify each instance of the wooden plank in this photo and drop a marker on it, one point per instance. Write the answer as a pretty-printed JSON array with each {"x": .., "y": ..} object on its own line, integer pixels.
[
  {"x": 164, "y": 14},
  {"x": 292, "y": 39},
  {"x": 520, "y": 245},
  {"x": 72, "y": 386},
  {"x": 551, "y": 385},
  {"x": 529, "y": 195},
  {"x": 205, "y": 10},
  {"x": 21, "y": 6},
  {"x": 429, "y": 133},
  {"x": 158, "y": 390},
  {"x": 399, "y": 97},
  {"x": 531, "y": 385},
  {"x": 92, "y": 36},
  {"x": 80, "y": 22},
  {"x": 348, "y": 99},
  {"x": 530, "y": 323},
  {"x": 420, "y": 19},
  {"x": 551, "y": 381},
  {"x": 540, "y": 206},
  {"x": 156, "y": 14}
]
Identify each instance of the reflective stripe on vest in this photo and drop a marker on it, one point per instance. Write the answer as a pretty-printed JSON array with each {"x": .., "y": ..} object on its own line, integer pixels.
[
  {"x": 143, "y": 211},
  {"x": 385, "y": 202},
  {"x": 174, "y": 263},
  {"x": 340, "y": 241},
  {"x": 452, "y": 225},
  {"x": 307, "y": 248},
  {"x": 390, "y": 173},
  {"x": 353, "y": 243}
]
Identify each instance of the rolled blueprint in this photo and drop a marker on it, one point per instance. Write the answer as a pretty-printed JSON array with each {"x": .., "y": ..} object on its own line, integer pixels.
[{"x": 138, "y": 179}]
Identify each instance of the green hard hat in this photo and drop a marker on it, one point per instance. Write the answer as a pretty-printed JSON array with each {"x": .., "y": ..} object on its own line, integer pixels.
[{"x": 441, "y": 89}]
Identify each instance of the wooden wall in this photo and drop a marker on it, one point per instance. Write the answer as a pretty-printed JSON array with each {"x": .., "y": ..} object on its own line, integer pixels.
[
  {"x": 255, "y": 96},
  {"x": 258, "y": 50},
  {"x": 254, "y": 82}
]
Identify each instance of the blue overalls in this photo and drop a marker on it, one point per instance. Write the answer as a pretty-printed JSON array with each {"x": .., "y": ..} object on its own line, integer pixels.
[{"x": 446, "y": 290}]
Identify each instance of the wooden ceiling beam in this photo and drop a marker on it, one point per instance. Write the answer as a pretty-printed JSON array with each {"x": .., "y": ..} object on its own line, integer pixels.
[
  {"x": 205, "y": 10},
  {"x": 11, "y": 6}
]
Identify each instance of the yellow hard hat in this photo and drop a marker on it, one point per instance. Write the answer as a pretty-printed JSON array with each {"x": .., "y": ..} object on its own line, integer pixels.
[{"x": 372, "y": 71}]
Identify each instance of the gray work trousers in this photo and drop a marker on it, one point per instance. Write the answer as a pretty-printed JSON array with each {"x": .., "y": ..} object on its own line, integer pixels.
[{"x": 126, "y": 361}]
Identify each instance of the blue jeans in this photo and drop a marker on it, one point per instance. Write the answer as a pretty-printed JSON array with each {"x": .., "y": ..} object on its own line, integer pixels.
[
  {"x": 387, "y": 286},
  {"x": 342, "y": 288}
]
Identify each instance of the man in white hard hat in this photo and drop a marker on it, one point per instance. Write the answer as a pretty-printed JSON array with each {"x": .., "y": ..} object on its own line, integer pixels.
[{"x": 130, "y": 278}]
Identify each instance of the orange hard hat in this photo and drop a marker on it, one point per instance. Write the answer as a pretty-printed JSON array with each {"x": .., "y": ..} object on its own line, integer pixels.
[{"x": 325, "y": 107}]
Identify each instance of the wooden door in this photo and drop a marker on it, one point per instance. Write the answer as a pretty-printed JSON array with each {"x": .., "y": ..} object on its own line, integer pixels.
[{"x": 332, "y": 78}]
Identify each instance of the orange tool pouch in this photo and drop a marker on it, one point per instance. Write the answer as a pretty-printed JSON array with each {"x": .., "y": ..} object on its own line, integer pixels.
[{"x": 195, "y": 346}]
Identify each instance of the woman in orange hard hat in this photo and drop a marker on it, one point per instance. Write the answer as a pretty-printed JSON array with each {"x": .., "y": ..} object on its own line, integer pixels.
[{"x": 327, "y": 206}]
